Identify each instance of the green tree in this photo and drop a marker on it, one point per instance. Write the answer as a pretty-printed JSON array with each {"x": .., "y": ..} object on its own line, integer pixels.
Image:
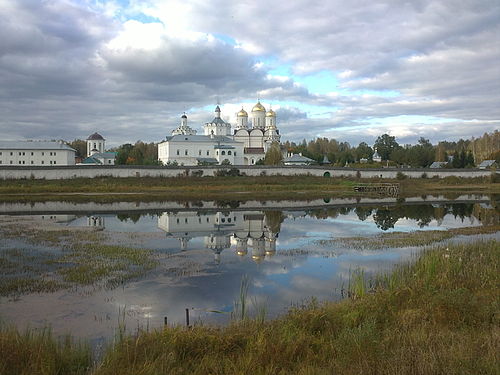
[
  {"x": 385, "y": 144},
  {"x": 363, "y": 151},
  {"x": 80, "y": 146},
  {"x": 273, "y": 155}
]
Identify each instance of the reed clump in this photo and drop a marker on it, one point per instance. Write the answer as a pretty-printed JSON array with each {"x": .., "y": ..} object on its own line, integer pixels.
[{"x": 34, "y": 352}]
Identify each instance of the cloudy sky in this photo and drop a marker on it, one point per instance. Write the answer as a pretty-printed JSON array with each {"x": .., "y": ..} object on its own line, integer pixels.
[{"x": 350, "y": 70}]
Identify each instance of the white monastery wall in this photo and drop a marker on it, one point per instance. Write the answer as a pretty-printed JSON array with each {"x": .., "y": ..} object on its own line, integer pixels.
[{"x": 68, "y": 172}]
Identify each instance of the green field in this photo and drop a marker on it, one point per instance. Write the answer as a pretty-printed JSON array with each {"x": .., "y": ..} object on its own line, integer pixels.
[{"x": 240, "y": 187}]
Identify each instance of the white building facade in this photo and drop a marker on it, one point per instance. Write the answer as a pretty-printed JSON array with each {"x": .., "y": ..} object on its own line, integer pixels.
[
  {"x": 36, "y": 153},
  {"x": 246, "y": 145}
]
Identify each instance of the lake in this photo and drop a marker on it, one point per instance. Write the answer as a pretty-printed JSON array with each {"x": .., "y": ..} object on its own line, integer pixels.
[{"x": 284, "y": 252}]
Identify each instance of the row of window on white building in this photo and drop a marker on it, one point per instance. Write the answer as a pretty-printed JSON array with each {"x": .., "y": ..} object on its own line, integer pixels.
[{"x": 208, "y": 153}]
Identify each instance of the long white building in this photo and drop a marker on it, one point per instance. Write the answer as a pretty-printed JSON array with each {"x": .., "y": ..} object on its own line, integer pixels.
[
  {"x": 36, "y": 153},
  {"x": 245, "y": 145}
]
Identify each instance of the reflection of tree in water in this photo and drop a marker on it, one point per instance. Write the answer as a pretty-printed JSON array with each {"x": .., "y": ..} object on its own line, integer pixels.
[
  {"x": 385, "y": 219},
  {"x": 363, "y": 212},
  {"x": 462, "y": 210},
  {"x": 332, "y": 212},
  {"x": 423, "y": 214},
  {"x": 125, "y": 217},
  {"x": 274, "y": 220}
]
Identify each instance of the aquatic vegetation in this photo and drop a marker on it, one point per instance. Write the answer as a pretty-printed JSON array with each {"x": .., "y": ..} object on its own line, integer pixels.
[
  {"x": 73, "y": 258},
  {"x": 406, "y": 239}
]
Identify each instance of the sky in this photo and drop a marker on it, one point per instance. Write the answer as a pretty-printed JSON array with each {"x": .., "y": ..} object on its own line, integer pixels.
[{"x": 349, "y": 70}]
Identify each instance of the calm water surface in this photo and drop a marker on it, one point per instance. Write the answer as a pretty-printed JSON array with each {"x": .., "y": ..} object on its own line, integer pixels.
[{"x": 207, "y": 252}]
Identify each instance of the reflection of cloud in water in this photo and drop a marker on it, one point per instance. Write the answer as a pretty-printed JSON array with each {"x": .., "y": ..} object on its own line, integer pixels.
[{"x": 294, "y": 271}]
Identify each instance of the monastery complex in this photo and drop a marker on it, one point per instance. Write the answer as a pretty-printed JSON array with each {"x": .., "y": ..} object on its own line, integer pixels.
[{"x": 220, "y": 144}]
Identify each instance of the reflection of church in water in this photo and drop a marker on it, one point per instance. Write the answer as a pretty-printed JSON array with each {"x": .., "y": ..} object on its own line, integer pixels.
[{"x": 249, "y": 231}]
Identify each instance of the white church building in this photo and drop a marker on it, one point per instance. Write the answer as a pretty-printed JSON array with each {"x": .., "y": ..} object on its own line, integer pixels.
[
  {"x": 245, "y": 145},
  {"x": 96, "y": 154}
]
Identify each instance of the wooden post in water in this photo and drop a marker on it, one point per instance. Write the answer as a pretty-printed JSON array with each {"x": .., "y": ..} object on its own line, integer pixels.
[{"x": 187, "y": 317}]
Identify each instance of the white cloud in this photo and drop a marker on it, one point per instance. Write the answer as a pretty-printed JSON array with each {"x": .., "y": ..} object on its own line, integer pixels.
[{"x": 99, "y": 65}]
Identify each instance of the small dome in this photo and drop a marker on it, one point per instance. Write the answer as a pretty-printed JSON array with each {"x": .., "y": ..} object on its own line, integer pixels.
[
  {"x": 184, "y": 116},
  {"x": 95, "y": 137},
  {"x": 271, "y": 113},
  {"x": 258, "y": 107},
  {"x": 242, "y": 113},
  {"x": 217, "y": 109}
]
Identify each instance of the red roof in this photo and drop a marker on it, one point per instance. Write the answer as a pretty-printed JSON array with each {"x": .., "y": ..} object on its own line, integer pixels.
[{"x": 254, "y": 150}]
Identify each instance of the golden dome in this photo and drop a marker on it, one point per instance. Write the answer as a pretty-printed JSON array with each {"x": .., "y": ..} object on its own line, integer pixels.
[
  {"x": 271, "y": 113},
  {"x": 257, "y": 258},
  {"x": 242, "y": 113},
  {"x": 258, "y": 107}
]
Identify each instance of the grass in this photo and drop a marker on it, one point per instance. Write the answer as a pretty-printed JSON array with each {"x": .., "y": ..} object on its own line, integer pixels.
[
  {"x": 438, "y": 315},
  {"x": 34, "y": 352},
  {"x": 109, "y": 189},
  {"x": 406, "y": 239}
]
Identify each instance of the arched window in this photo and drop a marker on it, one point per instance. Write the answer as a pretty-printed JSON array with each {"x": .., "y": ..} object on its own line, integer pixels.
[
  {"x": 229, "y": 152},
  {"x": 223, "y": 152}
]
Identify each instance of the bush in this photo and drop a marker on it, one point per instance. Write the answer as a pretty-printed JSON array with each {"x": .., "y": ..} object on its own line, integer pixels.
[
  {"x": 424, "y": 175},
  {"x": 400, "y": 176},
  {"x": 233, "y": 172},
  {"x": 197, "y": 173}
]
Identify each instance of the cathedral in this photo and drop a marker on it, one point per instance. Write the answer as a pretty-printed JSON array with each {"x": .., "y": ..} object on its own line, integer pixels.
[{"x": 220, "y": 144}]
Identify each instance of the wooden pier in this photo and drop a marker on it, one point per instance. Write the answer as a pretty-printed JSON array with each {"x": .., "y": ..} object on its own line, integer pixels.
[{"x": 390, "y": 189}]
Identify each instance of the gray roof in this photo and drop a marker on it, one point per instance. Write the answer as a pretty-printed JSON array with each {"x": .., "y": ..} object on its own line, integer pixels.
[
  {"x": 295, "y": 158},
  {"x": 218, "y": 120},
  {"x": 487, "y": 163},
  {"x": 94, "y": 137},
  {"x": 200, "y": 138},
  {"x": 438, "y": 164},
  {"x": 34, "y": 145}
]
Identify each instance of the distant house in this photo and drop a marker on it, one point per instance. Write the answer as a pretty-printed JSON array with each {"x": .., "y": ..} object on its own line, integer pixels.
[
  {"x": 488, "y": 164},
  {"x": 101, "y": 158},
  {"x": 363, "y": 160},
  {"x": 325, "y": 160},
  {"x": 298, "y": 159},
  {"x": 438, "y": 164},
  {"x": 376, "y": 157}
]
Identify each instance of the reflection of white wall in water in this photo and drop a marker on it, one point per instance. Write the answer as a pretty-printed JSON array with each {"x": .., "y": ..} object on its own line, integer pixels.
[
  {"x": 95, "y": 221},
  {"x": 200, "y": 224},
  {"x": 57, "y": 218},
  {"x": 247, "y": 228}
]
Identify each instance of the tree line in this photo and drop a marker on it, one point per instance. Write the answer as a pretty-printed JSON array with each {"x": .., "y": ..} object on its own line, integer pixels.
[{"x": 459, "y": 154}]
